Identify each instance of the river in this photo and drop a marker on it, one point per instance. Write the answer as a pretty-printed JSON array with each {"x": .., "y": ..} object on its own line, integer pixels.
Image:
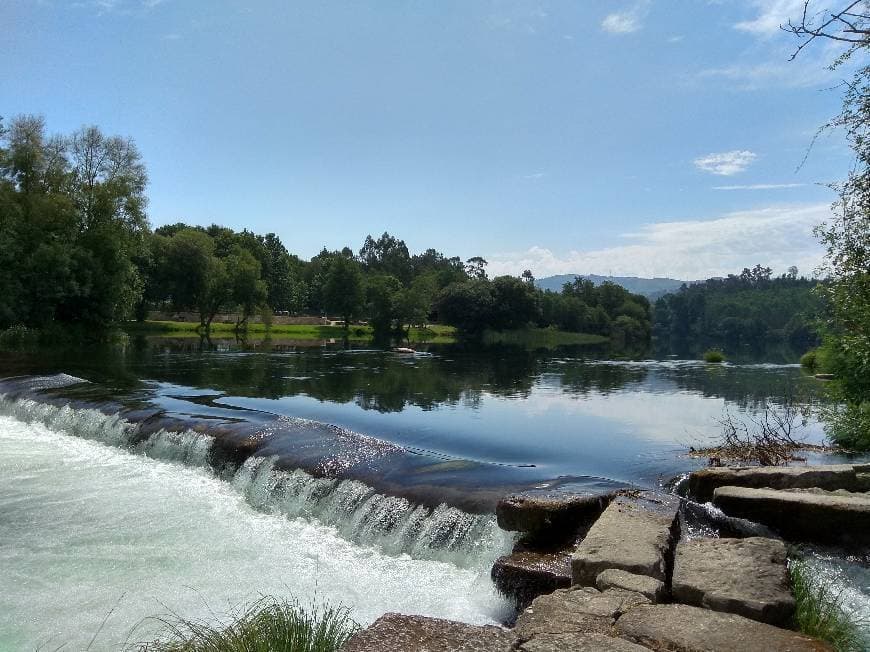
[{"x": 372, "y": 484}]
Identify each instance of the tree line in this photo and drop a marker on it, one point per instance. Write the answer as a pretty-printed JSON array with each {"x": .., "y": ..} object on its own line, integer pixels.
[
  {"x": 78, "y": 250},
  {"x": 753, "y": 309}
]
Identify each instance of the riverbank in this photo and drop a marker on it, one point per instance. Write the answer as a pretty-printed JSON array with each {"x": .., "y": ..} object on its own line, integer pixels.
[{"x": 431, "y": 334}]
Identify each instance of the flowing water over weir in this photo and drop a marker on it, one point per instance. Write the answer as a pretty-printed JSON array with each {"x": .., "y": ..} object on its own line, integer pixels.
[{"x": 355, "y": 510}]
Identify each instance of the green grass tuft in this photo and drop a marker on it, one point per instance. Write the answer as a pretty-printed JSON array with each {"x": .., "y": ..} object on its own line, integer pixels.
[
  {"x": 819, "y": 610},
  {"x": 268, "y": 625},
  {"x": 714, "y": 355}
]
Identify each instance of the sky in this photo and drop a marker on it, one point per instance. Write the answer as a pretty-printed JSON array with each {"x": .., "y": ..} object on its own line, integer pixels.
[{"x": 647, "y": 137}]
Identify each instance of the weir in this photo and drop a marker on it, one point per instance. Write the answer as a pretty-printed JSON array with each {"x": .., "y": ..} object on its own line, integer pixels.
[{"x": 359, "y": 513}]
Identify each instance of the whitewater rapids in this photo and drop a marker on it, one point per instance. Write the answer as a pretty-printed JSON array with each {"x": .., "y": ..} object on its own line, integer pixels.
[{"x": 91, "y": 532}]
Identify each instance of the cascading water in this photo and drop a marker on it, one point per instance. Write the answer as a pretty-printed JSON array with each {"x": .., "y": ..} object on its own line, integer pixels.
[
  {"x": 393, "y": 524},
  {"x": 96, "y": 540},
  {"x": 356, "y": 511}
]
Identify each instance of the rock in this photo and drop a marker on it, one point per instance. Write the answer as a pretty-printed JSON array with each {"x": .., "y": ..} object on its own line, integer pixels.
[
  {"x": 851, "y": 477},
  {"x": 558, "y": 516},
  {"x": 747, "y": 577},
  {"x": 682, "y": 628},
  {"x": 400, "y": 633},
  {"x": 649, "y": 587},
  {"x": 633, "y": 534},
  {"x": 524, "y": 575},
  {"x": 801, "y": 515},
  {"x": 579, "y": 643},
  {"x": 582, "y": 610}
]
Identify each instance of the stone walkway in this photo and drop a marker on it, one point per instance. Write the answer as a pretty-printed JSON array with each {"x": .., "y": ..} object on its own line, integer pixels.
[{"x": 613, "y": 572}]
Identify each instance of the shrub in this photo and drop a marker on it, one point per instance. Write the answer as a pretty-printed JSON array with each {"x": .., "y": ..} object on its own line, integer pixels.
[
  {"x": 268, "y": 625},
  {"x": 808, "y": 360},
  {"x": 714, "y": 355},
  {"x": 819, "y": 610}
]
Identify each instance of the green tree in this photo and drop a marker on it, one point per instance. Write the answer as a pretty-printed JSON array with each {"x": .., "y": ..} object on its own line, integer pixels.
[
  {"x": 467, "y": 306},
  {"x": 247, "y": 291},
  {"x": 344, "y": 289},
  {"x": 384, "y": 294}
]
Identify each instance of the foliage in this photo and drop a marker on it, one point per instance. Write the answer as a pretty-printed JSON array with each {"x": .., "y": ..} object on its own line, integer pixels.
[
  {"x": 343, "y": 289},
  {"x": 808, "y": 360},
  {"x": 72, "y": 219},
  {"x": 269, "y": 625},
  {"x": 77, "y": 248},
  {"x": 819, "y": 610},
  {"x": 750, "y": 309},
  {"x": 714, "y": 355}
]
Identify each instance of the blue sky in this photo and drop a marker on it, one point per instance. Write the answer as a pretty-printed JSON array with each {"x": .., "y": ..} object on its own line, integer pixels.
[{"x": 646, "y": 138}]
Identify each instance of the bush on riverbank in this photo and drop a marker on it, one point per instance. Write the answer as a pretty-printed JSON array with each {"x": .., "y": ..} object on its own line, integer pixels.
[
  {"x": 268, "y": 625},
  {"x": 819, "y": 610}
]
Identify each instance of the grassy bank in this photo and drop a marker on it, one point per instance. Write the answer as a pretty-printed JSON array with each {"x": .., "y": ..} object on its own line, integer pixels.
[
  {"x": 819, "y": 610},
  {"x": 433, "y": 333},
  {"x": 270, "y": 624}
]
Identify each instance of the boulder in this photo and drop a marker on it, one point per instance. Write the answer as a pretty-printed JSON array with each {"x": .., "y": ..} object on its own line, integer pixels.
[
  {"x": 613, "y": 578},
  {"x": 851, "y": 477},
  {"x": 811, "y": 515},
  {"x": 554, "y": 515},
  {"x": 400, "y": 633},
  {"x": 579, "y": 643},
  {"x": 748, "y": 577},
  {"x": 634, "y": 534},
  {"x": 579, "y": 610},
  {"x": 682, "y": 628},
  {"x": 526, "y": 574}
]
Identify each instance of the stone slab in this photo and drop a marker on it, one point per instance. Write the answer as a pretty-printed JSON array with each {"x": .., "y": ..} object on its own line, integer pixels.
[
  {"x": 634, "y": 534},
  {"x": 649, "y": 587},
  {"x": 801, "y": 515},
  {"x": 851, "y": 477},
  {"x": 400, "y": 633},
  {"x": 579, "y": 643},
  {"x": 557, "y": 516},
  {"x": 682, "y": 628},
  {"x": 578, "y": 610},
  {"x": 526, "y": 574},
  {"x": 748, "y": 577}
]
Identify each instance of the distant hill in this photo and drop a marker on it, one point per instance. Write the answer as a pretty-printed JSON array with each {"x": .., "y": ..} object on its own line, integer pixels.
[{"x": 651, "y": 288}]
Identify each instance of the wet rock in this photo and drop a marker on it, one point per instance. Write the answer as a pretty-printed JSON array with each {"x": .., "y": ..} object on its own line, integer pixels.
[
  {"x": 579, "y": 643},
  {"x": 634, "y": 534},
  {"x": 683, "y": 628},
  {"x": 524, "y": 575},
  {"x": 652, "y": 589},
  {"x": 747, "y": 577},
  {"x": 400, "y": 633},
  {"x": 582, "y": 610},
  {"x": 801, "y": 515},
  {"x": 557, "y": 516},
  {"x": 851, "y": 477}
]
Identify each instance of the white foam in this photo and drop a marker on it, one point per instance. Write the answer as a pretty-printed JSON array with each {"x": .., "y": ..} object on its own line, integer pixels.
[{"x": 88, "y": 528}]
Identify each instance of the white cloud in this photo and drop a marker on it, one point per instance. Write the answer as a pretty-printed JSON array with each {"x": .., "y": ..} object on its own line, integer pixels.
[
  {"x": 761, "y": 186},
  {"x": 625, "y": 22},
  {"x": 535, "y": 176},
  {"x": 777, "y": 236},
  {"x": 726, "y": 163}
]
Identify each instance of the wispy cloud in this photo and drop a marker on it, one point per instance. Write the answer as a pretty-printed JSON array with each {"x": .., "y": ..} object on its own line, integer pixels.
[
  {"x": 626, "y": 22},
  {"x": 761, "y": 186},
  {"x": 777, "y": 236},
  {"x": 726, "y": 163},
  {"x": 770, "y": 15},
  {"x": 534, "y": 176}
]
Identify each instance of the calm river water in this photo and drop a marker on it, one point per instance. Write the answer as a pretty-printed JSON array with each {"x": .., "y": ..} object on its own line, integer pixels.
[{"x": 100, "y": 524}]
